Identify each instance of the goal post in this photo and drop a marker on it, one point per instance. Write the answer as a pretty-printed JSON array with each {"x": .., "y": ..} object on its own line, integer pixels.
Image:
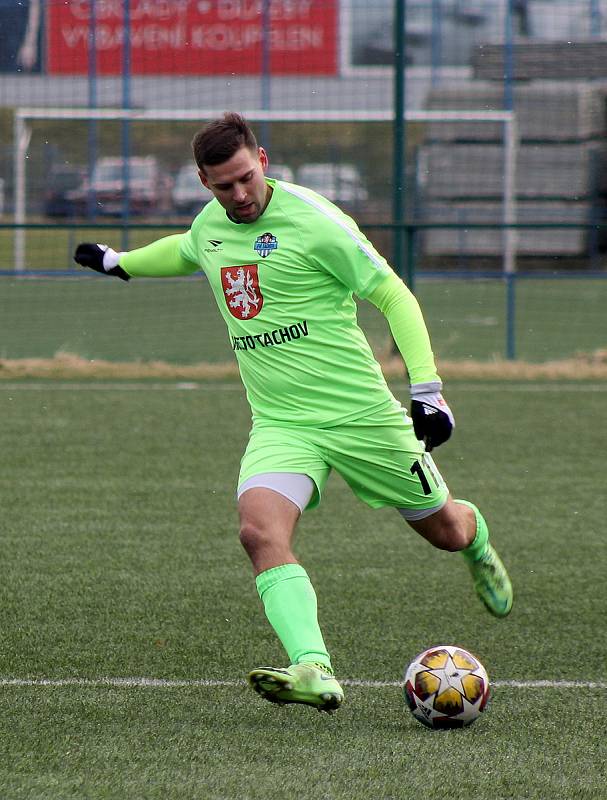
[
  {"x": 504, "y": 120},
  {"x": 506, "y": 163}
]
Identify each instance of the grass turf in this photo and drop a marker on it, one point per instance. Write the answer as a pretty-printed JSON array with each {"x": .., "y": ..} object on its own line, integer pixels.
[
  {"x": 219, "y": 744},
  {"x": 177, "y": 320},
  {"x": 120, "y": 559}
]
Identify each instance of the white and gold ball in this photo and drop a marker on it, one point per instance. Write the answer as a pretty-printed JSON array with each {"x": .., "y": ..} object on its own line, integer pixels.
[{"x": 446, "y": 687}]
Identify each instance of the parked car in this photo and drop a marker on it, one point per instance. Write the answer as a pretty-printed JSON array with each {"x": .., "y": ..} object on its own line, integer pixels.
[
  {"x": 149, "y": 187},
  {"x": 61, "y": 180},
  {"x": 281, "y": 172},
  {"x": 189, "y": 195},
  {"x": 340, "y": 183}
]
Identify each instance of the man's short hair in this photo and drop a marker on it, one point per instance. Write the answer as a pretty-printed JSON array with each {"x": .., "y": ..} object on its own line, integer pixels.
[{"x": 219, "y": 140}]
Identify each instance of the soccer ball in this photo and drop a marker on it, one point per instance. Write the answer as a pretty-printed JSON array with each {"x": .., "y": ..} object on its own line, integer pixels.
[{"x": 446, "y": 687}]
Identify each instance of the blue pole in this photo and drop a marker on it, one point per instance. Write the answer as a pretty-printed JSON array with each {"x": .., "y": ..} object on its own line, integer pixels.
[
  {"x": 266, "y": 70},
  {"x": 91, "y": 200},
  {"x": 510, "y": 316},
  {"x": 126, "y": 124},
  {"x": 400, "y": 140},
  {"x": 509, "y": 106},
  {"x": 596, "y": 22},
  {"x": 436, "y": 41},
  {"x": 508, "y": 57}
]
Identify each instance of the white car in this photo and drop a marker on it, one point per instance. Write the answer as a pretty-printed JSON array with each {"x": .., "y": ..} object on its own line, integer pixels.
[
  {"x": 340, "y": 183},
  {"x": 281, "y": 172},
  {"x": 149, "y": 188},
  {"x": 189, "y": 195}
]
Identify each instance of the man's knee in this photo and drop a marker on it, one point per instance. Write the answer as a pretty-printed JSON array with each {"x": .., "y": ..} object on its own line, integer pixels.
[
  {"x": 254, "y": 537},
  {"x": 452, "y": 528},
  {"x": 267, "y": 523},
  {"x": 450, "y": 536}
]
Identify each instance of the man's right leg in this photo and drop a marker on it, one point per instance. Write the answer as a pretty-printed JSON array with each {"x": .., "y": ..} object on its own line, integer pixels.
[
  {"x": 459, "y": 525},
  {"x": 268, "y": 521}
]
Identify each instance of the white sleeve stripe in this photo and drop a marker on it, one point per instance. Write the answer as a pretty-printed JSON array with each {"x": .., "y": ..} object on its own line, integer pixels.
[{"x": 376, "y": 260}]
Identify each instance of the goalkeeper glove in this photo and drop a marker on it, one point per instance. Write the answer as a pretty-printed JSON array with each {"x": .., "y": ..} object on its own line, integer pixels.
[
  {"x": 101, "y": 258},
  {"x": 433, "y": 421}
]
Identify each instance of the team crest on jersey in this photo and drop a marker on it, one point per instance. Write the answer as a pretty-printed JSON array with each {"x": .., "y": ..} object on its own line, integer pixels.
[
  {"x": 265, "y": 243},
  {"x": 241, "y": 289}
]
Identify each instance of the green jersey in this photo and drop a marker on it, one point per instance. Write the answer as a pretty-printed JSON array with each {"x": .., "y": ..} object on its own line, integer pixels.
[{"x": 284, "y": 286}]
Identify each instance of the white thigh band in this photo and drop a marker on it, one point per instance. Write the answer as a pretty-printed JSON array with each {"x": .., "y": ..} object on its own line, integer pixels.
[
  {"x": 411, "y": 514},
  {"x": 294, "y": 486}
]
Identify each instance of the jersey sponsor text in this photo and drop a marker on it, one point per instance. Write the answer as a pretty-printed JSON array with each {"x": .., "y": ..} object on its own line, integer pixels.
[{"x": 270, "y": 338}]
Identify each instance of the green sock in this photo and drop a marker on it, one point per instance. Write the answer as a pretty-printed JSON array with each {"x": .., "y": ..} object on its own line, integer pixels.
[
  {"x": 290, "y": 605},
  {"x": 477, "y": 547}
]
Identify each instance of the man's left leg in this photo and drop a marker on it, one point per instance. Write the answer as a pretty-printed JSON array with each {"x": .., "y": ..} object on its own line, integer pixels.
[
  {"x": 459, "y": 525},
  {"x": 268, "y": 521}
]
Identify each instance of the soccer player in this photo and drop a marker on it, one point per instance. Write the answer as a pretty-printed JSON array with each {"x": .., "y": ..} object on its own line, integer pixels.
[{"x": 283, "y": 263}]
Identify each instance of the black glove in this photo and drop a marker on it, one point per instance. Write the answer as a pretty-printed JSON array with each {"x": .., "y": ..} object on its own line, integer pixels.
[
  {"x": 101, "y": 258},
  {"x": 432, "y": 419}
]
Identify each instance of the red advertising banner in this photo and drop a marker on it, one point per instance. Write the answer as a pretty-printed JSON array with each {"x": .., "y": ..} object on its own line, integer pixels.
[{"x": 193, "y": 37}]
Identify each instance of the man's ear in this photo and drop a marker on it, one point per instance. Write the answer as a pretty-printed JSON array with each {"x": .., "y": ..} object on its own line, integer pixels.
[
  {"x": 203, "y": 179},
  {"x": 263, "y": 159}
]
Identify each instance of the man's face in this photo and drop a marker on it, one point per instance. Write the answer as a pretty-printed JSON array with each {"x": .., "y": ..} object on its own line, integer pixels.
[{"x": 239, "y": 184}]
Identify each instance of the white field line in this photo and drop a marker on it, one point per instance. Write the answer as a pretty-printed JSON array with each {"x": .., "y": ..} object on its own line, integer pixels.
[
  {"x": 212, "y": 386},
  {"x": 159, "y": 683}
]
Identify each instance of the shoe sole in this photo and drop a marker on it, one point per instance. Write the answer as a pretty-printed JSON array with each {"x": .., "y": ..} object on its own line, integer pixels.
[{"x": 268, "y": 687}]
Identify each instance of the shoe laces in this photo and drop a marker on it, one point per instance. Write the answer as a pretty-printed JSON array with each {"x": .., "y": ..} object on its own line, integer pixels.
[{"x": 322, "y": 667}]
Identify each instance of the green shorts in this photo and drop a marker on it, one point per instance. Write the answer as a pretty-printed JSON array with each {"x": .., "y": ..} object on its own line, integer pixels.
[{"x": 378, "y": 456}]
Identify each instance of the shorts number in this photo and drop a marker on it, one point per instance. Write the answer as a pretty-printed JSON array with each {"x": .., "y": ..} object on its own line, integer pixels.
[{"x": 416, "y": 469}]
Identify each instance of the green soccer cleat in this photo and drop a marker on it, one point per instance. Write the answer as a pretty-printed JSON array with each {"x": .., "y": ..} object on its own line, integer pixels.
[
  {"x": 310, "y": 684},
  {"x": 492, "y": 583}
]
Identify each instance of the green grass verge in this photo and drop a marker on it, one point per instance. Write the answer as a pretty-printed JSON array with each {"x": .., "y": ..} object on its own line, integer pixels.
[
  {"x": 177, "y": 321},
  {"x": 51, "y": 248}
]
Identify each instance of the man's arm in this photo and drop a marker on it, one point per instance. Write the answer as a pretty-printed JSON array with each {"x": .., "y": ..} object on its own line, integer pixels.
[
  {"x": 432, "y": 418},
  {"x": 160, "y": 259}
]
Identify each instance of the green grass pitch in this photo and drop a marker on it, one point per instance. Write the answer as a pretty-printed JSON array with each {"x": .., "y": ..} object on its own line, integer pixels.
[
  {"x": 120, "y": 560},
  {"x": 177, "y": 320}
]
